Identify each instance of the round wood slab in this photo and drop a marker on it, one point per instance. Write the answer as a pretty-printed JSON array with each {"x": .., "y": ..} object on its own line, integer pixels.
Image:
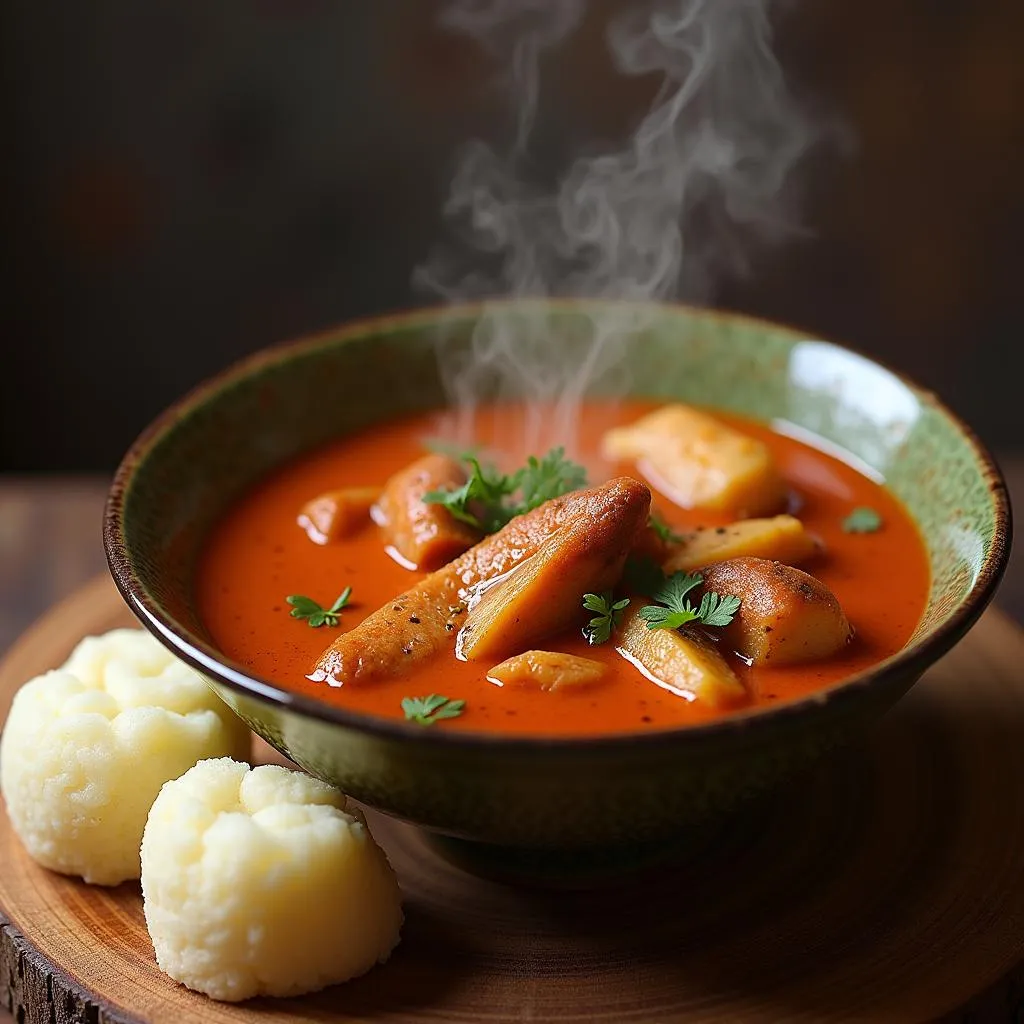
[{"x": 887, "y": 885}]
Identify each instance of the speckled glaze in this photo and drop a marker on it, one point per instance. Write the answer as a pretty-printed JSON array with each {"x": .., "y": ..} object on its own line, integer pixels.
[{"x": 570, "y": 794}]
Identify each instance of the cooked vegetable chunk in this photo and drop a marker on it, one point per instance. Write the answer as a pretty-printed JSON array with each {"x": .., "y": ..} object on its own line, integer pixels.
[
  {"x": 337, "y": 514},
  {"x": 685, "y": 663},
  {"x": 782, "y": 538},
  {"x": 547, "y": 670},
  {"x": 699, "y": 462},
  {"x": 264, "y": 882},
  {"x": 423, "y": 536},
  {"x": 421, "y": 622},
  {"x": 786, "y": 616},
  {"x": 87, "y": 747},
  {"x": 541, "y": 595}
]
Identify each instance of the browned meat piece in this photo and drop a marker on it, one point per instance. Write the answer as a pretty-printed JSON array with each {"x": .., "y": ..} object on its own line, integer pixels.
[
  {"x": 786, "y": 616},
  {"x": 337, "y": 514},
  {"x": 424, "y": 620},
  {"x": 543, "y": 594},
  {"x": 423, "y": 536},
  {"x": 548, "y": 671}
]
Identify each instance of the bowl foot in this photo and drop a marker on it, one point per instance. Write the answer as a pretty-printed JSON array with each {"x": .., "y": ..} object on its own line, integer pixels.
[{"x": 607, "y": 864}]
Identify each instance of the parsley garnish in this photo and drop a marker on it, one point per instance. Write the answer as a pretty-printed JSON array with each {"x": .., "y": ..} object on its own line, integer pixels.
[
  {"x": 599, "y": 629},
  {"x": 486, "y": 489},
  {"x": 663, "y": 530},
  {"x": 489, "y": 499},
  {"x": 862, "y": 520},
  {"x": 550, "y": 477},
  {"x": 314, "y": 613},
  {"x": 674, "y": 610},
  {"x": 427, "y": 710}
]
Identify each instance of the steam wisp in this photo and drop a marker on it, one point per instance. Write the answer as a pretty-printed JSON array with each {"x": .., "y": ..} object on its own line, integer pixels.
[{"x": 703, "y": 176}]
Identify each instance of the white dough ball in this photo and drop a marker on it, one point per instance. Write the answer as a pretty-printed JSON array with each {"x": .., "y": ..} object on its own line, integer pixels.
[
  {"x": 264, "y": 882},
  {"x": 87, "y": 747}
]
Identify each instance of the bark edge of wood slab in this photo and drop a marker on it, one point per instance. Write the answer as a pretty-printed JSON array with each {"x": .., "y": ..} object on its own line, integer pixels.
[{"x": 38, "y": 990}]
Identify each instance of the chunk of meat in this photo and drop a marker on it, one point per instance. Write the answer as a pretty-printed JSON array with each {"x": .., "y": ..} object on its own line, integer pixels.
[
  {"x": 337, "y": 514},
  {"x": 685, "y": 663},
  {"x": 543, "y": 594},
  {"x": 548, "y": 670},
  {"x": 782, "y": 538},
  {"x": 650, "y": 546},
  {"x": 423, "y": 536},
  {"x": 785, "y": 617},
  {"x": 422, "y": 622},
  {"x": 699, "y": 462}
]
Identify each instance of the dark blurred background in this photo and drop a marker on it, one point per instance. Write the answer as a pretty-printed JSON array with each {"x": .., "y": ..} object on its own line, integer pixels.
[{"x": 187, "y": 181}]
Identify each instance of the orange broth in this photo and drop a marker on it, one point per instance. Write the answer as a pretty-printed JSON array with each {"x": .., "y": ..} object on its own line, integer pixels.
[{"x": 257, "y": 555}]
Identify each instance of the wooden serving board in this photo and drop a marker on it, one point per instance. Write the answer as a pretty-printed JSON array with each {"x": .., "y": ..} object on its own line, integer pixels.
[{"x": 888, "y": 885}]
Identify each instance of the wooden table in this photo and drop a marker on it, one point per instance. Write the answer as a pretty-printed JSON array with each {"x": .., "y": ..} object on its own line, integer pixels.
[{"x": 50, "y": 544}]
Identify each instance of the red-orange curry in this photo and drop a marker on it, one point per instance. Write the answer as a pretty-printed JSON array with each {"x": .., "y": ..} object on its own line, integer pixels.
[{"x": 258, "y": 555}]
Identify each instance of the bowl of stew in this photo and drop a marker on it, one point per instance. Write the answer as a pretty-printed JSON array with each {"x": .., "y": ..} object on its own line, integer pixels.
[{"x": 739, "y": 554}]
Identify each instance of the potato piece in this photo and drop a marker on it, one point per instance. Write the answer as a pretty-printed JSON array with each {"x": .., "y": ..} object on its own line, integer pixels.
[
  {"x": 683, "y": 663},
  {"x": 699, "y": 462},
  {"x": 337, "y": 514},
  {"x": 423, "y": 536},
  {"x": 782, "y": 538},
  {"x": 543, "y": 594},
  {"x": 786, "y": 616},
  {"x": 547, "y": 670},
  {"x": 421, "y": 623}
]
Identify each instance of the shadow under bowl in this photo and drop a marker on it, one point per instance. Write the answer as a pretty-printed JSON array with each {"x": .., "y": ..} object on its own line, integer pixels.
[{"x": 580, "y": 794}]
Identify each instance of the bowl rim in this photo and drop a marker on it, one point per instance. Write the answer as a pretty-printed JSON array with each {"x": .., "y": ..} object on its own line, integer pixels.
[{"x": 911, "y": 661}]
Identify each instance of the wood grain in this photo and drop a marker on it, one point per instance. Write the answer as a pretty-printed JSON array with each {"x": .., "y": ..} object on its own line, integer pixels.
[
  {"x": 50, "y": 544},
  {"x": 888, "y": 885}
]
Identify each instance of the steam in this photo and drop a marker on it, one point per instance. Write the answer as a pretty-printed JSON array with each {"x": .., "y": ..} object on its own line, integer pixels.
[
  {"x": 517, "y": 32},
  {"x": 702, "y": 180}
]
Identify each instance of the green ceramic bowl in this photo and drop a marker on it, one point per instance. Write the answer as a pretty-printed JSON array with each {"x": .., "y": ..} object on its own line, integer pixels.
[{"x": 565, "y": 794}]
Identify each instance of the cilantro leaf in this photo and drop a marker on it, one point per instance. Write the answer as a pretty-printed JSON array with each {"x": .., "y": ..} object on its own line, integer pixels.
[
  {"x": 314, "y": 613},
  {"x": 862, "y": 520},
  {"x": 663, "y": 530},
  {"x": 489, "y": 499},
  {"x": 430, "y": 709},
  {"x": 658, "y": 617},
  {"x": 674, "y": 609},
  {"x": 718, "y": 609},
  {"x": 599, "y": 629},
  {"x": 549, "y": 477},
  {"x": 485, "y": 488},
  {"x": 675, "y": 588},
  {"x": 302, "y": 606}
]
